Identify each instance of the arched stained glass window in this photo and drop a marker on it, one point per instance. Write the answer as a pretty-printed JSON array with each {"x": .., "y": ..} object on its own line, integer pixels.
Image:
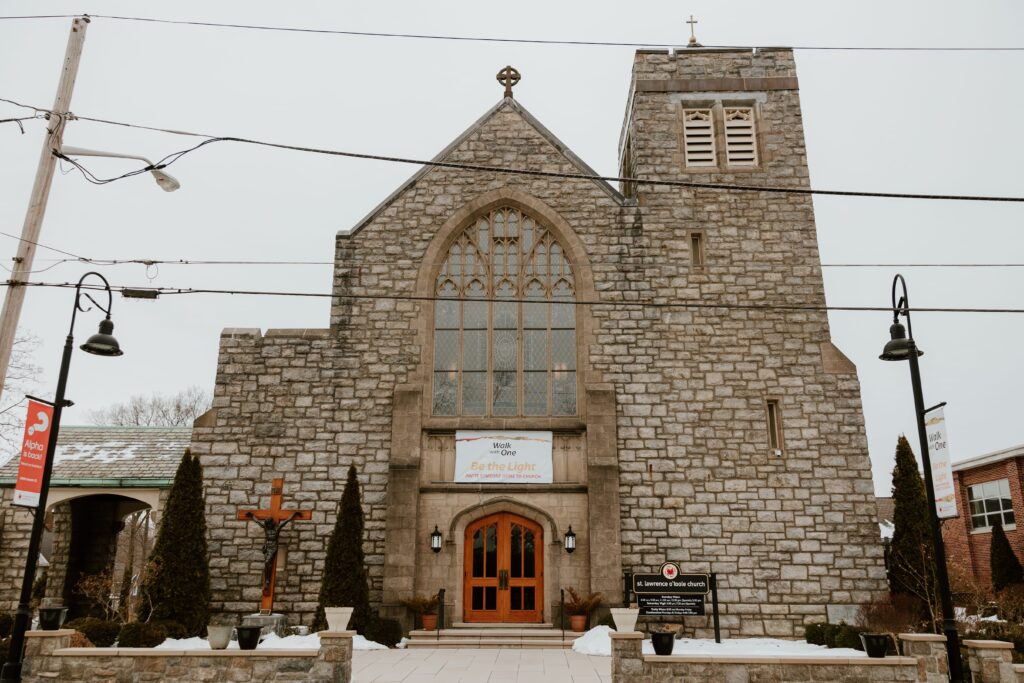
[{"x": 513, "y": 352}]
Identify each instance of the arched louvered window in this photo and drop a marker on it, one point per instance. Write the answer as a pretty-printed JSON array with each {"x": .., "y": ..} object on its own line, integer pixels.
[{"x": 505, "y": 358}]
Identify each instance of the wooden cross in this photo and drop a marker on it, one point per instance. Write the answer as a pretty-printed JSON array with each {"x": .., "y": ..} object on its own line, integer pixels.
[
  {"x": 508, "y": 77},
  {"x": 693, "y": 36},
  {"x": 272, "y": 521}
]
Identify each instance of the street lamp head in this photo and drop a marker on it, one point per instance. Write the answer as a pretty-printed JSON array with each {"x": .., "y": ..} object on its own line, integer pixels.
[
  {"x": 103, "y": 342},
  {"x": 898, "y": 346},
  {"x": 166, "y": 181}
]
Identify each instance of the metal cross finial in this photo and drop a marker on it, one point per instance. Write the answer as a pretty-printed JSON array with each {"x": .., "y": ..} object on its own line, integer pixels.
[
  {"x": 508, "y": 77},
  {"x": 693, "y": 36}
]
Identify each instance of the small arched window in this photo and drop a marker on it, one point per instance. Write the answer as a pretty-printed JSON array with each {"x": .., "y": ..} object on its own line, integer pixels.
[{"x": 513, "y": 352}]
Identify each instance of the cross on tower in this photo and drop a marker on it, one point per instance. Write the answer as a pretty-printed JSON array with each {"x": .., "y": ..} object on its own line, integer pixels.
[
  {"x": 273, "y": 521},
  {"x": 693, "y": 36},
  {"x": 508, "y": 77}
]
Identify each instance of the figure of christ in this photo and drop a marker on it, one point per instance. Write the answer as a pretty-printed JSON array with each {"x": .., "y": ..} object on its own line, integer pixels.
[{"x": 271, "y": 533}]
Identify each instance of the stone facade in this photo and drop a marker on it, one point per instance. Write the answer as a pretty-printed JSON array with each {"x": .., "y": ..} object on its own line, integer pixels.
[
  {"x": 668, "y": 457},
  {"x": 50, "y": 657}
]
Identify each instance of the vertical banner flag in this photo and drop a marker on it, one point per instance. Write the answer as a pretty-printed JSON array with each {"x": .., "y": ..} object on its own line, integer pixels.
[
  {"x": 33, "y": 454},
  {"x": 942, "y": 470}
]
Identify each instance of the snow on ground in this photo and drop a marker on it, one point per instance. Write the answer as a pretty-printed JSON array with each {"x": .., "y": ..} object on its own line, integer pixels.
[
  {"x": 597, "y": 642},
  {"x": 269, "y": 642}
]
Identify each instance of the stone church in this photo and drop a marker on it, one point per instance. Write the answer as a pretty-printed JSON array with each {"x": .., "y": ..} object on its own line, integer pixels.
[{"x": 679, "y": 417}]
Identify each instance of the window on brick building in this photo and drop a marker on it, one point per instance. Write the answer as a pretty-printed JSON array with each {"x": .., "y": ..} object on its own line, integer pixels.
[
  {"x": 495, "y": 357},
  {"x": 990, "y": 502}
]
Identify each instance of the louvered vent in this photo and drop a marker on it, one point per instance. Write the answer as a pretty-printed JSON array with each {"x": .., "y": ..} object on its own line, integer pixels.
[
  {"x": 699, "y": 137},
  {"x": 740, "y": 143}
]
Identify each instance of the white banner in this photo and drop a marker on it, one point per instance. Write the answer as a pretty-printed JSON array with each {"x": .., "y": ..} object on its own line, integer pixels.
[
  {"x": 942, "y": 470},
  {"x": 494, "y": 457}
]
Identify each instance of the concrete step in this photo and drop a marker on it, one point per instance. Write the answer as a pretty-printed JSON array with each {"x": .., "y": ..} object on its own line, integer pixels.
[
  {"x": 493, "y": 636},
  {"x": 501, "y": 624}
]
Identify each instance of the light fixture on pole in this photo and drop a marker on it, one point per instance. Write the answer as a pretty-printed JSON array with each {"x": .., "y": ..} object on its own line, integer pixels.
[
  {"x": 102, "y": 343},
  {"x": 166, "y": 181},
  {"x": 435, "y": 540},
  {"x": 570, "y": 540},
  {"x": 901, "y": 346}
]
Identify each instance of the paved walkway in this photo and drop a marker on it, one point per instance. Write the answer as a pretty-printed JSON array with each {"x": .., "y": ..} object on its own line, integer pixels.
[{"x": 478, "y": 666}]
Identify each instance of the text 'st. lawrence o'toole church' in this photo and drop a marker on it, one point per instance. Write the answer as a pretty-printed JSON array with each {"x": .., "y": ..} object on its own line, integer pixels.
[{"x": 512, "y": 355}]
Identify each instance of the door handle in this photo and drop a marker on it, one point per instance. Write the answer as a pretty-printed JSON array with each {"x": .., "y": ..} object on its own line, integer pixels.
[{"x": 503, "y": 579}]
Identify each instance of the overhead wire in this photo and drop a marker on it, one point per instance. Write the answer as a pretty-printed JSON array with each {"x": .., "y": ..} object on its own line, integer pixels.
[
  {"x": 525, "y": 41},
  {"x": 171, "y": 291}
]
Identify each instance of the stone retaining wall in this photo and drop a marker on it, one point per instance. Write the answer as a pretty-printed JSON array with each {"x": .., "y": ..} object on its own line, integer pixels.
[
  {"x": 925, "y": 662},
  {"x": 48, "y": 658}
]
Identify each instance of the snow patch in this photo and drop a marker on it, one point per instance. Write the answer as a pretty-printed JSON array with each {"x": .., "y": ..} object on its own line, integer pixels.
[
  {"x": 597, "y": 642},
  {"x": 269, "y": 642},
  {"x": 360, "y": 643}
]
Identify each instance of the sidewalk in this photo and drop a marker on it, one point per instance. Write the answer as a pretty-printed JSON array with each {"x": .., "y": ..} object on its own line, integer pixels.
[{"x": 478, "y": 666}]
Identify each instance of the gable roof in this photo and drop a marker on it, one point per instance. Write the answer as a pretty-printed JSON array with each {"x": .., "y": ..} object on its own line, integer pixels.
[
  {"x": 113, "y": 456},
  {"x": 506, "y": 103}
]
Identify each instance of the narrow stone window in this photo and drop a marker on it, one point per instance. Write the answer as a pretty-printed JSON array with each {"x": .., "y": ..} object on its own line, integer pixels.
[
  {"x": 740, "y": 137},
  {"x": 698, "y": 137},
  {"x": 505, "y": 321},
  {"x": 697, "y": 250},
  {"x": 774, "y": 416}
]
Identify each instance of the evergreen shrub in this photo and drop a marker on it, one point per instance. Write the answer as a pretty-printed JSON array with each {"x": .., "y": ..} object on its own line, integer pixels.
[
  {"x": 833, "y": 635},
  {"x": 100, "y": 632},
  {"x": 384, "y": 631},
  {"x": 141, "y": 634},
  {"x": 912, "y": 564},
  {"x": 1006, "y": 569},
  {"x": 178, "y": 587},
  {"x": 344, "y": 582}
]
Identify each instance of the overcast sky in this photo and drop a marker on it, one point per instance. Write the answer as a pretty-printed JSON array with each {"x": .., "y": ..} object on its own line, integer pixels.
[{"x": 923, "y": 122}]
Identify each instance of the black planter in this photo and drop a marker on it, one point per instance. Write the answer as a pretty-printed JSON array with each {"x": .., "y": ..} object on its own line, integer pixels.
[
  {"x": 875, "y": 644},
  {"x": 51, "y": 618},
  {"x": 663, "y": 643},
  {"x": 248, "y": 637}
]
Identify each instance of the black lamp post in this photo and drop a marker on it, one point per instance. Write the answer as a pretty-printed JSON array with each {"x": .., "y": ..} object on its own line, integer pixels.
[
  {"x": 570, "y": 540},
  {"x": 101, "y": 344},
  {"x": 901, "y": 346}
]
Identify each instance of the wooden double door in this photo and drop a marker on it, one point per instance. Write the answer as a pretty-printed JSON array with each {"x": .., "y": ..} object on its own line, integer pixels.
[{"x": 504, "y": 573}]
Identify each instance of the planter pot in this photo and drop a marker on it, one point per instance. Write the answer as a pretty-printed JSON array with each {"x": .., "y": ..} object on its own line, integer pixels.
[
  {"x": 875, "y": 644},
  {"x": 663, "y": 643},
  {"x": 337, "y": 618},
  {"x": 429, "y": 621},
  {"x": 51, "y": 618},
  {"x": 625, "y": 618},
  {"x": 578, "y": 622},
  {"x": 219, "y": 635},
  {"x": 248, "y": 637}
]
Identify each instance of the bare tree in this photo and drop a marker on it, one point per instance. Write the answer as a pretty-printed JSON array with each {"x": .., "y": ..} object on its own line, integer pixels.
[
  {"x": 156, "y": 410},
  {"x": 22, "y": 377}
]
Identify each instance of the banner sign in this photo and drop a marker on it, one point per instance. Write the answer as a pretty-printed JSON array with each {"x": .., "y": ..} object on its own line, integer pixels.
[
  {"x": 671, "y": 605},
  {"x": 33, "y": 454},
  {"x": 496, "y": 457},
  {"x": 942, "y": 470}
]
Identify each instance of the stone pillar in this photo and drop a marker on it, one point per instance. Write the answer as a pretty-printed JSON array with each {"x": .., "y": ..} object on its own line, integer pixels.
[
  {"x": 930, "y": 652},
  {"x": 59, "y": 553},
  {"x": 604, "y": 519},
  {"x": 991, "y": 661},
  {"x": 39, "y": 664},
  {"x": 627, "y": 656},
  {"x": 334, "y": 663}
]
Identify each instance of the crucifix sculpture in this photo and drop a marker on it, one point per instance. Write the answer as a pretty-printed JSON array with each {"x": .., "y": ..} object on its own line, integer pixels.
[{"x": 272, "y": 520}]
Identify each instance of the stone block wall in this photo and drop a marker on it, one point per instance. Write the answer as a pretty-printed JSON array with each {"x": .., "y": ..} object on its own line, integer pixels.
[{"x": 48, "y": 657}]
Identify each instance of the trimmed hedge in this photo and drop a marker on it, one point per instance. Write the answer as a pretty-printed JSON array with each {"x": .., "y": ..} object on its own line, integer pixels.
[
  {"x": 100, "y": 632},
  {"x": 384, "y": 631},
  {"x": 141, "y": 634},
  {"x": 833, "y": 635}
]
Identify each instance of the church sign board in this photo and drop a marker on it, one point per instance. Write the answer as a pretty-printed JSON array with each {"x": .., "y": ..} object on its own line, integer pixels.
[
  {"x": 503, "y": 457},
  {"x": 671, "y": 593}
]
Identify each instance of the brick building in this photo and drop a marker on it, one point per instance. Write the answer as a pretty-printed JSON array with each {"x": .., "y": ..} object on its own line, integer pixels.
[
  {"x": 612, "y": 324},
  {"x": 988, "y": 487}
]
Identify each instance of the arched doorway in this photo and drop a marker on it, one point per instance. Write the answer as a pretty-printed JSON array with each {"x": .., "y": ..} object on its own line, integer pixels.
[{"x": 504, "y": 570}]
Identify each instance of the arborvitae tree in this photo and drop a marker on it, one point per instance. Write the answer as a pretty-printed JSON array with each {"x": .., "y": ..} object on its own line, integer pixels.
[
  {"x": 912, "y": 554},
  {"x": 1006, "y": 569},
  {"x": 178, "y": 586},
  {"x": 344, "y": 582}
]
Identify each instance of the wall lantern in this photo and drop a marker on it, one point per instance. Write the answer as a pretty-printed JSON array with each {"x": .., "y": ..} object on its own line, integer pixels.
[
  {"x": 570, "y": 540},
  {"x": 435, "y": 540}
]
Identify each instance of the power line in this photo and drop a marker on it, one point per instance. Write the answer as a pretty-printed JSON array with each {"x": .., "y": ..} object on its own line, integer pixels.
[
  {"x": 171, "y": 291},
  {"x": 723, "y": 187},
  {"x": 524, "y": 41}
]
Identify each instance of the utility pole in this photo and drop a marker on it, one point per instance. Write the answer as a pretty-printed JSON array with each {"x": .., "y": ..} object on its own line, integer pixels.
[{"x": 40, "y": 193}]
